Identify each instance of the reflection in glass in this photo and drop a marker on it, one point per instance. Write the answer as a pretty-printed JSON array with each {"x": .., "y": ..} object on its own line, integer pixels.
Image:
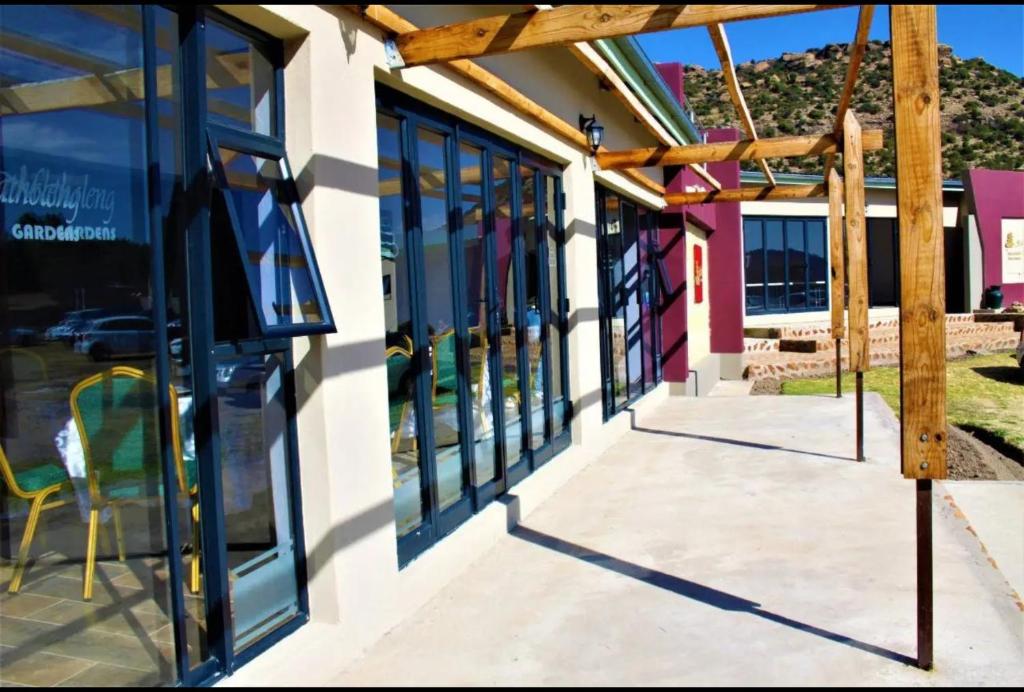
[
  {"x": 440, "y": 317},
  {"x": 531, "y": 271},
  {"x": 753, "y": 264},
  {"x": 471, "y": 167},
  {"x": 797, "y": 264},
  {"x": 554, "y": 292},
  {"x": 617, "y": 309},
  {"x": 775, "y": 254},
  {"x": 262, "y": 194},
  {"x": 817, "y": 265},
  {"x": 505, "y": 278},
  {"x": 405, "y": 456},
  {"x": 631, "y": 286},
  {"x": 239, "y": 82},
  {"x": 80, "y": 453},
  {"x": 257, "y": 503},
  {"x": 647, "y": 303}
]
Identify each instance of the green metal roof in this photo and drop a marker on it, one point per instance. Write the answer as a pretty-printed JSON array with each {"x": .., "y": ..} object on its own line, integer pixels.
[{"x": 877, "y": 183}]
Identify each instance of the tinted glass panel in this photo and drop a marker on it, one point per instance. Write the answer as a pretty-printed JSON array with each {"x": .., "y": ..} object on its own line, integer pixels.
[
  {"x": 531, "y": 270},
  {"x": 279, "y": 263},
  {"x": 439, "y": 304},
  {"x": 84, "y": 585},
  {"x": 775, "y": 253},
  {"x": 239, "y": 81},
  {"x": 405, "y": 456},
  {"x": 555, "y": 332},
  {"x": 631, "y": 287},
  {"x": 509, "y": 336},
  {"x": 470, "y": 172},
  {"x": 817, "y": 265},
  {"x": 796, "y": 257},
  {"x": 753, "y": 264},
  {"x": 617, "y": 309}
]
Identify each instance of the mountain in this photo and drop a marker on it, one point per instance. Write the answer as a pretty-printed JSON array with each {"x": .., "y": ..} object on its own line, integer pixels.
[{"x": 796, "y": 93}]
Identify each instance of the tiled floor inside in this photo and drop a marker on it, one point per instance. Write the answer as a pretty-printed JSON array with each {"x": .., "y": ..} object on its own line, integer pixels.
[{"x": 49, "y": 635}]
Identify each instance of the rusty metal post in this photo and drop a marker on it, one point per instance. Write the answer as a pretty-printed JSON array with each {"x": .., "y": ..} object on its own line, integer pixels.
[
  {"x": 839, "y": 369},
  {"x": 925, "y": 619},
  {"x": 860, "y": 416}
]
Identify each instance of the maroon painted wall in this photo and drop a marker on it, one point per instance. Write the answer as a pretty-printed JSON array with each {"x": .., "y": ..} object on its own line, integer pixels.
[
  {"x": 725, "y": 256},
  {"x": 724, "y": 260},
  {"x": 994, "y": 196}
]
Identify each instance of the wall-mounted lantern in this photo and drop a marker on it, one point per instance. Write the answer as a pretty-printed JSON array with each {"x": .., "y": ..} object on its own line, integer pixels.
[{"x": 594, "y": 132}]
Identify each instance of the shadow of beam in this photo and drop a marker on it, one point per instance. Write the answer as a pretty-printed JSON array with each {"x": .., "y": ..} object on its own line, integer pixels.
[
  {"x": 694, "y": 591},
  {"x": 730, "y": 441}
]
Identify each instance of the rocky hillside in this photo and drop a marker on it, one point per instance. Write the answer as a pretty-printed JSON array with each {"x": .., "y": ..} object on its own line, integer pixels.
[{"x": 797, "y": 93}]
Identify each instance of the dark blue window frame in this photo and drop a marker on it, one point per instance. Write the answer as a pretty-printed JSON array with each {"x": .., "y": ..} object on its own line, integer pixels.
[
  {"x": 412, "y": 113},
  {"x": 758, "y": 226}
]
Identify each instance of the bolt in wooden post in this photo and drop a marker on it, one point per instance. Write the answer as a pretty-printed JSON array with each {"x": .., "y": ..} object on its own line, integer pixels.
[
  {"x": 915, "y": 80},
  {"x": 837, "y": 260}
]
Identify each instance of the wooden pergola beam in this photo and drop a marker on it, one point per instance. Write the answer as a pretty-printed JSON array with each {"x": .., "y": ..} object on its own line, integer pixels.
[
  {"x": 748, "y": 194},
  {"x": 742, "y": 150},
  {"x": 390, "y": 22},
  {"x": 915, "y": 72},
  {"x": 856, "y": 51},
  {"x": 732, "y": 83},
  {"x": 836, "y": 254},
  {"x": 567, "y": 24},
  {"x": 856, "y": 244}
]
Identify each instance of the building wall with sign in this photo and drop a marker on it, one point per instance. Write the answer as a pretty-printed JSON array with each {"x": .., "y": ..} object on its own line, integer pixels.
[{"x": 995, "y": 201}]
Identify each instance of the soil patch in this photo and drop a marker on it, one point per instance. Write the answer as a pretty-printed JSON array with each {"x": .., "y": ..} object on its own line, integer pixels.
[
  {"x": 968, "y": 458},
  {"x": 767, "y": 387}
]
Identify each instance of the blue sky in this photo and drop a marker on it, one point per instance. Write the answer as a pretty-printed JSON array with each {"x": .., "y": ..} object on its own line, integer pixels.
[{"x": 992, "y": 32}]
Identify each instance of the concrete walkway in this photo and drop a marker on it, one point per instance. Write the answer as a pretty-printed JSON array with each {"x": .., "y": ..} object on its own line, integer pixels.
[{"x": 727, "y": 540}]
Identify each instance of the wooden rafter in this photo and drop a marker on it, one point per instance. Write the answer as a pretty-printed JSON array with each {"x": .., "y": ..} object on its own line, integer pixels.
[
  {"x": 592, "y": 60},
  {"x": 743, "y": 150},
  {"x": 390, "y": 22},
  {"x": 856, "y": 52},
  {"x": 721, "y": 43},
  {"x": 748, "y": 194},
  {"x": 567, "y": 24}
]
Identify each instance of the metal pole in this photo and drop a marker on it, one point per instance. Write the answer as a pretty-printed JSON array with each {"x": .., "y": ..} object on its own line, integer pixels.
[
  {"x": 860, "y": 416},
  {"x": 839, "y": 369},
  {"x": 925, "y": 629}
]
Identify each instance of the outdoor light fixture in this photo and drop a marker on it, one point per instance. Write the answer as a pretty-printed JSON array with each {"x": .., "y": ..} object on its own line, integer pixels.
[{"x": 594, "y": 132}]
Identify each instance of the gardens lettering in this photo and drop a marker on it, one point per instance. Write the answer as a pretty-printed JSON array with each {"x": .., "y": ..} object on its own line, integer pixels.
[{"x": 54, "y": 191}]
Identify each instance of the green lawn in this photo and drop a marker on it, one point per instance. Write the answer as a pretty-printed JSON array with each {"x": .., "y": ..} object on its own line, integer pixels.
[{"x": 984, "y": 392}]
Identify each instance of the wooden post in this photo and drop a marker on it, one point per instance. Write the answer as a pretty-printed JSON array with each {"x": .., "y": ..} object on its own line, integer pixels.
[
  {"x": 837, "y": 261},
  {"x": 857, "y": 258},
  {"x": 915, "y": 87}
]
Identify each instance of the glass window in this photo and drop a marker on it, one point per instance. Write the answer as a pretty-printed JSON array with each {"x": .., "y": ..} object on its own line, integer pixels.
[
  {"x": 817, "y": 265},
  {"x": 262, "y": 205},
  {"x": 775, "y": 255},
  {"x": 531, "y": 270},
  {"x": 405, "y": 457},
  {"x": 440, "y": 307},
  {"x": 85, "y": 596},
  {"x": 471, "y": 168},
  {"x": 240, "y": 82},
  {"x": 753, "y": 264},
  {"x": 631, "y": 289},
  {"x": 556, "y": 324},
  {"x": 509, "y": 334},
  {"x": 617, "y": 309},
  {"x": 796, "y": 258}
]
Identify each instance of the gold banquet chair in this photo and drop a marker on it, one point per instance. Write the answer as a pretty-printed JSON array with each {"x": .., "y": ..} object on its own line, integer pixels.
[
  {"x": 115, "y": 411},
  {"x": 34, "y": 485}
]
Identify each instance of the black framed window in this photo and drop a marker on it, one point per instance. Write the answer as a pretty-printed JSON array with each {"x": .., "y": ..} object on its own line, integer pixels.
[
  {"x": 172, "y": 276},
  {"x": 631, "y": 282},
  {"x": 785, "y": 264},
  {"x": 472, "y": 264}
]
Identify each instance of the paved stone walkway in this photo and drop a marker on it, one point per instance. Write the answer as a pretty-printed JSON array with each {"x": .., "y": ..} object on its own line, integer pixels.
[{"x": 725, "y": 540}]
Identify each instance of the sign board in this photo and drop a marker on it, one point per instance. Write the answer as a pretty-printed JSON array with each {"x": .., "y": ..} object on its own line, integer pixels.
[
  {"x": 698, "y": 274},
  {"x": 1012, "y": 251}
]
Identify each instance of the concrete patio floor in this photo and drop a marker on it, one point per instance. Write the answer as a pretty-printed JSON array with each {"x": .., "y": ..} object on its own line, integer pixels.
[{"x": 725, "y": 540}]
